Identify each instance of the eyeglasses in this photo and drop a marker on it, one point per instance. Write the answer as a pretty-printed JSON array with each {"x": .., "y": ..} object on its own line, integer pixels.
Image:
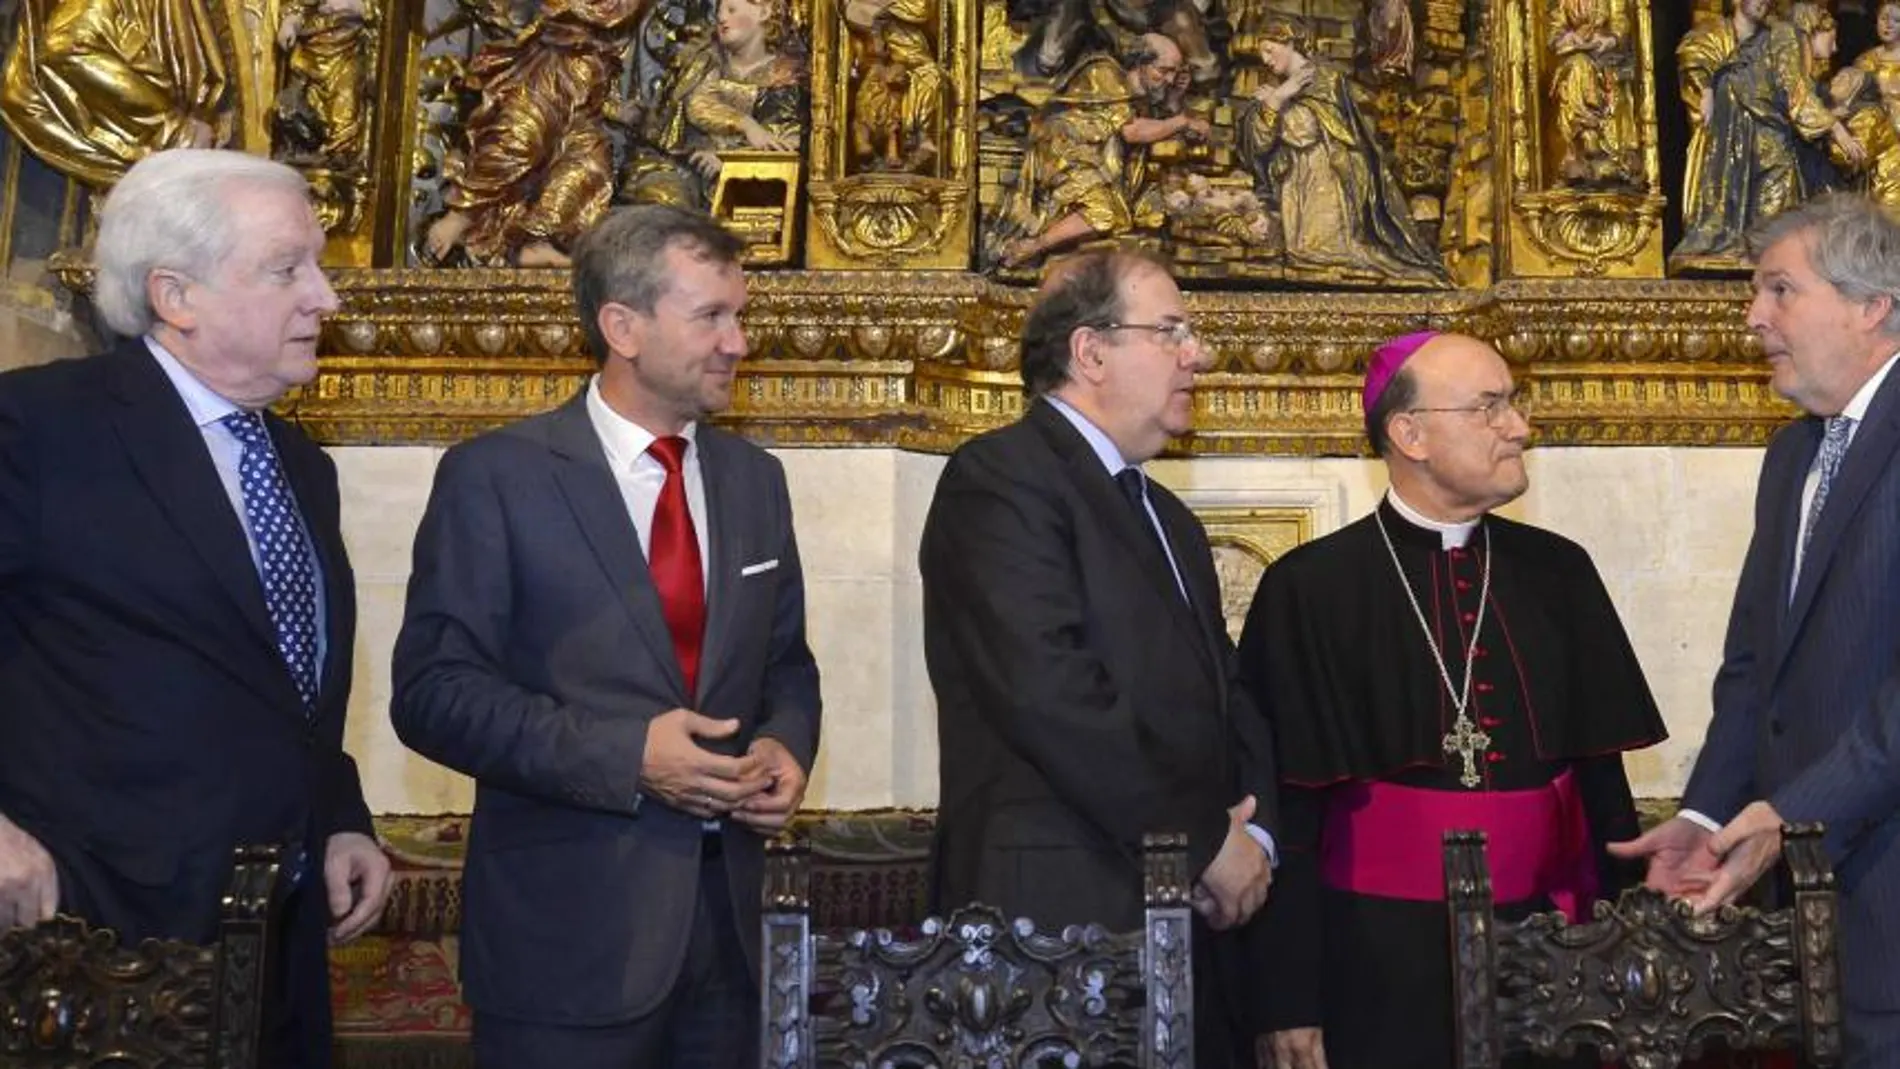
[
  {"x": 1495, "y": 409},
  {"x": 1175, "y": 335}
]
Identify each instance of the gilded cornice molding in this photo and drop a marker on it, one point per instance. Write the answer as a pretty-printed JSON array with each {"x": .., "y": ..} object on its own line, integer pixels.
[{"x": 922, "y": 360}]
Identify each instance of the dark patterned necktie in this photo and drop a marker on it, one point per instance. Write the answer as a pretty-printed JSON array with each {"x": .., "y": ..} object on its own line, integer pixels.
[
  {"x": 1833, "y": 448},
  {"x": 283, "y": 551},
  {"x": 673, "y": 558}
]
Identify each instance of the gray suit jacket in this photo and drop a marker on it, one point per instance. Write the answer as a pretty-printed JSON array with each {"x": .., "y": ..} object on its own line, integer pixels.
[
  {"x": 1807, "y": 702},
  {"x": 532, "y": 656}
]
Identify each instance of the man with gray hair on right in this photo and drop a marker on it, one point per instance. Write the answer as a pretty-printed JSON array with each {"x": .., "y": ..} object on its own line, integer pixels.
[
  {"x": 177, "y": 612},
  {"x": 1807, "y": 701}
]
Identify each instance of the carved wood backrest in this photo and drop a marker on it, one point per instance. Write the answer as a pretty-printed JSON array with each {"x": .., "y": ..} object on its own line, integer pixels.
[
  {"x": 1644, "y": 980},
  {"x": 71, "y": 995},
  {"x": 976, "y": 986}
]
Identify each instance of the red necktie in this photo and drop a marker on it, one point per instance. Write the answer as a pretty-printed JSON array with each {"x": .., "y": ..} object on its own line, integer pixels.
[{"x": 673, "y": 558}]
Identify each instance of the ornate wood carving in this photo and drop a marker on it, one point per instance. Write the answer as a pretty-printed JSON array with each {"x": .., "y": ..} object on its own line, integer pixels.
[
  {"x": 71, "y": 996},
  {"x": 976, "y": 989},
  {"x": 1645, "y": 981}
]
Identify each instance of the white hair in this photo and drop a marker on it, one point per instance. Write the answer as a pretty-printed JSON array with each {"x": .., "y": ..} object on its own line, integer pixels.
[{"x": 171, "y": 210}]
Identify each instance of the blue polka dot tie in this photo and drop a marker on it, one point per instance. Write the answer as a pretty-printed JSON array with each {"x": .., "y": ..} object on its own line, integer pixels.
[{"x": 290, "y": 579}]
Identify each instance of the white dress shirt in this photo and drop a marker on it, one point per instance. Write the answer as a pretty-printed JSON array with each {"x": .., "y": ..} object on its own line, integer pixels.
[
  {"x": 208, "y": 408},
  {"x": 640, "y": 475}
]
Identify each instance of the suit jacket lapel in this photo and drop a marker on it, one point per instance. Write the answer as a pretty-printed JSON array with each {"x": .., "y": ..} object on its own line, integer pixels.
[
  {"x": 168, "y": 452},
  {"x": 1868, "y": 458},
  {"x": 723, "y": 544},
  {"x": 594, "y": 496},
  {"x": 1787, "y": 518},
  {"x": 321, "y": 520},
  {"x": 1099, "y": 489}
]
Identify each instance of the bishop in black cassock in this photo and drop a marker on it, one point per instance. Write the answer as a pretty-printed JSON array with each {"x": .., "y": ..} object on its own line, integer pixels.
[{"x": 1431, "y": 667}]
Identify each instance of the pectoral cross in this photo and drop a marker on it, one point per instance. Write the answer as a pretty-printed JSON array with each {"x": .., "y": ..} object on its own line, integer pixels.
[{"x": 1466, "y": 741}]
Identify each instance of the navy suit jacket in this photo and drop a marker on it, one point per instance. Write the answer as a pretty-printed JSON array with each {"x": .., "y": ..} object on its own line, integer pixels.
[
  {"x": 532, "y": 656},
  {"x": 1807, "y": 702},
  {"x": 147, "y": 723}
]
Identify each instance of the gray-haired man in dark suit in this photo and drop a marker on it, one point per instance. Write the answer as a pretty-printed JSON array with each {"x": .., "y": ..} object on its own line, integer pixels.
[
  {"x": 606, "y": 628},
  {"x": 1807, "y": 702}
]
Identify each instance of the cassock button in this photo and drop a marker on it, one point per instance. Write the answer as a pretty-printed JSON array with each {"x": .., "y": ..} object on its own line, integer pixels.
[
  {"x": 1489, "y": 722},
  {"x": 1463, "y": 584},
  {"x": 1480, "y": 651},
  {"x": 1485, "y": 688},
  {"x": 1494, "y": 758},
  {"x": 1471, "y": 617}
]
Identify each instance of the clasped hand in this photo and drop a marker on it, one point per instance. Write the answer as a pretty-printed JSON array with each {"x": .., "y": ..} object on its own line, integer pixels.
[
  {"x": 760, "y": 789},
  {"x": 1236, "y": 882}
]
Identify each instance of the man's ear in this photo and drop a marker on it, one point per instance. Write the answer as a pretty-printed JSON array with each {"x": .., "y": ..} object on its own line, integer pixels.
[
  {"x": 1407, "y": 435},
  {"x": 623, "y": 328},
  {"x": 1874, "y": 311},
  {"x": 1085, "y": 355},
  {"x": 169, "y": 294}
]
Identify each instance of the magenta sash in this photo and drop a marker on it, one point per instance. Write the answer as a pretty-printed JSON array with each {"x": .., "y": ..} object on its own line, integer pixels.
[{"x": 1387, "y": 841}]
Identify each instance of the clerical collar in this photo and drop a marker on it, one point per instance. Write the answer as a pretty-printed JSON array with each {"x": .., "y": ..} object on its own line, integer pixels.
[{"x": 1450, "y": 535}]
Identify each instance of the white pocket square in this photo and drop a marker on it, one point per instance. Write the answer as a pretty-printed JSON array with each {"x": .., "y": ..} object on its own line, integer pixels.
[{"x": 755, "y": 569}]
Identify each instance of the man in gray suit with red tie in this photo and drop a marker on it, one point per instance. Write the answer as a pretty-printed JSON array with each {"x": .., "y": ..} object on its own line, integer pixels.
[
  {"x": 606, "y": 628},
  {"x": 1807, "y": 702}
]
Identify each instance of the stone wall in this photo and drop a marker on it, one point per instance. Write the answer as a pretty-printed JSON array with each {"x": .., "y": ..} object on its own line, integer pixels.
[{"x": 1667, "y": 527}]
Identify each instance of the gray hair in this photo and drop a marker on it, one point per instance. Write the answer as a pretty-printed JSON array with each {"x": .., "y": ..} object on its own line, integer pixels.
[
  {"x": 1853, "y": 243},
  {"x": 171, "y": 210},
  {"x": 623, "y": 260}
]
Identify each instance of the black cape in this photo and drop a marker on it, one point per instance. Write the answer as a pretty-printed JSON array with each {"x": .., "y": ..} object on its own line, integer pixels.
[{"x": 1335, "y": 658}]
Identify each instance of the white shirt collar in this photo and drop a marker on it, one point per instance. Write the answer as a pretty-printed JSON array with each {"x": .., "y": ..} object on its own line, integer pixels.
[
  {"x": 623, "y": 440},
  {"x": 206, "y": 405},
  {"x": 1857, "y": 407},
  {"x": 1098, "y": 439},
  {"x": 1450, "y": 535}
]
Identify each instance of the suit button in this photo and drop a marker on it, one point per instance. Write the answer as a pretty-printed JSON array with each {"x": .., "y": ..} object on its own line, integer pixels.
[{"x": 1775, "y": 728}]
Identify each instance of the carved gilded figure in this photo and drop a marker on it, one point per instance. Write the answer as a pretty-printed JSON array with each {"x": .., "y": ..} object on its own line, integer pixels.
[
  {"x": 329, "y": 47},
  {"x": 1084, "y": 173},
  {"x": 1882, "y": 61},
  {"x": 1386, "y": 38},
  {"x": 94, "y": 86},
  {"x": 897, "y": 109},
  {"x": 1590, "y": 85},
  {"x": 1063, "y": 33},
  {"x": 1761, "y": 137},
  {"x": 1317, "y": 162},
  {"x": 742, "y": 90},
  {"x": 538, "y": 169},
  {"x": 1857, "y": 100}
]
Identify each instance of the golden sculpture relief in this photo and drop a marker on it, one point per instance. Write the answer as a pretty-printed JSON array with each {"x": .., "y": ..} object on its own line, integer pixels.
[
  {"x": 93, "y": 86},
  {"x": 1339, "y": 170},
  {"x": 1342, "y": 214},
  {"x": 322, "y": 113},
  {"x": 1578, "y": 134},
  {"x": 1749, "y": 81},
  {"x": 1388, "y": 46},
  {"x": 537, "y": 168},
  {"x": 743, "y": 90},
  {"x": 1084, "y": 174},
  {"x": 1591, "y": 85},
  {"x": 891, "y": 152},
  {"x": 897, "y": 112}
]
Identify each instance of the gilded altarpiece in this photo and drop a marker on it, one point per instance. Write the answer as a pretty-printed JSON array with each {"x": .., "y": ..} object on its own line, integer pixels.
[{"x": 1324, "y": 174}]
